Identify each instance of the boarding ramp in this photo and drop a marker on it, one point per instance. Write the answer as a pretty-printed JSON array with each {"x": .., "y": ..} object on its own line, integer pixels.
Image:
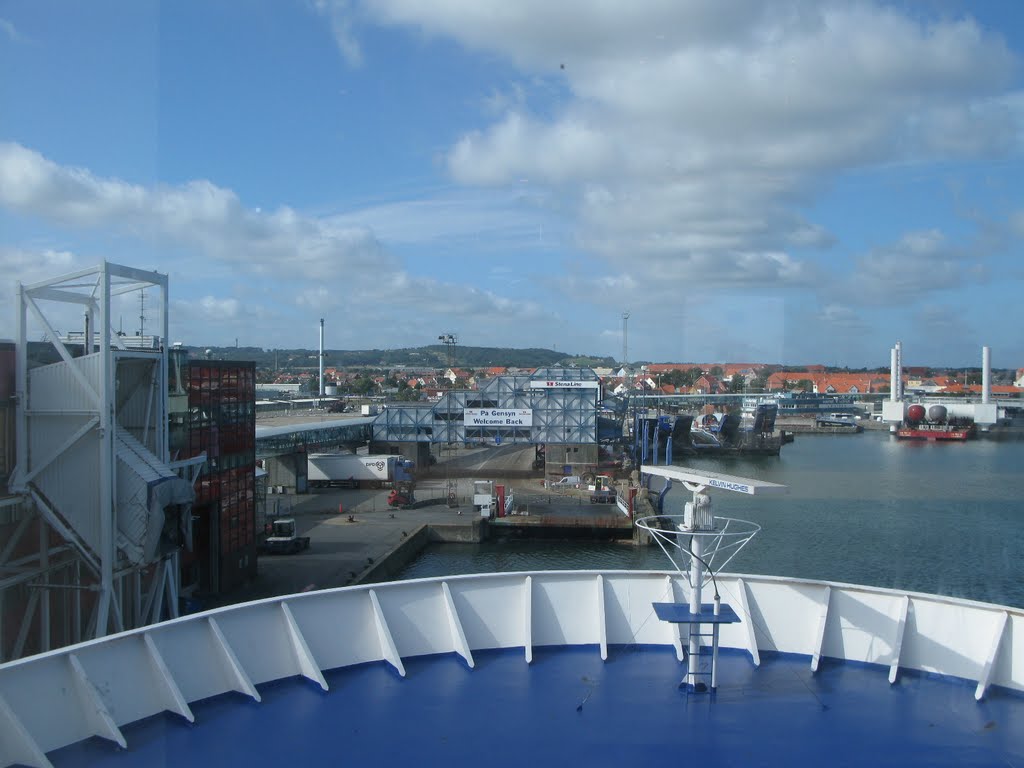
[{"x": 312, "y": 437}]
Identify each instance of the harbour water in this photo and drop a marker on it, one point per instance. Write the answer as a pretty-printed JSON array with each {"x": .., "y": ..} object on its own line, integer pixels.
[{"x": 940, "y": 518}]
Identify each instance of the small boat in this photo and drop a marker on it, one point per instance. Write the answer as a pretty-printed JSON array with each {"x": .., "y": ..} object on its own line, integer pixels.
[{"x": 836, "y": 420}]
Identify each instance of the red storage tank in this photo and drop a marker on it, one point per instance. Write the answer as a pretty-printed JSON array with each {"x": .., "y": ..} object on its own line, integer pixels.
[{"x": 915, "y": 412}]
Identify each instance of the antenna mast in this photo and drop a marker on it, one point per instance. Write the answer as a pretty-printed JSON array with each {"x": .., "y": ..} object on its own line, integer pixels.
[
  {"x": 625, "y": 338},
  {"x": 696, "y": 538},
  {"x": 142, "y": 313}
]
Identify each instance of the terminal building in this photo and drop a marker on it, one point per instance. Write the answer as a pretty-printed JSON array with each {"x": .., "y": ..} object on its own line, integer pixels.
[{"x": 554, "y": 409}]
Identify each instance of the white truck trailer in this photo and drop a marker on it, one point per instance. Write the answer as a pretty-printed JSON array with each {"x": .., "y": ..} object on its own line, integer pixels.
[{"x": 348, "y": 469}]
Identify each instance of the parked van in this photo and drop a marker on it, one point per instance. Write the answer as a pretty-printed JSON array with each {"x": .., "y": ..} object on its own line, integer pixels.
[{"x": 570, "y": 481}]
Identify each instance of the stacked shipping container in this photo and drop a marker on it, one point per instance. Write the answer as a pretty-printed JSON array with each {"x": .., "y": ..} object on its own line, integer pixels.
[
  {"x": 222, "y": 422},
  {"x": 7, "y": 355}
]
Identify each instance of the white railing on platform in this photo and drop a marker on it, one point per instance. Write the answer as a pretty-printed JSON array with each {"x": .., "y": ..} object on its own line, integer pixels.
[
  {"x": 622, "y": 505},
  {"x": 92, "y": 689}
]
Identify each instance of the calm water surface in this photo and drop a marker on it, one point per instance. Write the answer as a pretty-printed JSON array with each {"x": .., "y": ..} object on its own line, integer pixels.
[{"x": 863, "y": 509}]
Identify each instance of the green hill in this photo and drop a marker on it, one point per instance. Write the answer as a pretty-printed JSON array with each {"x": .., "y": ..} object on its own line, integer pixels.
[{"x": 432, "y": 356}]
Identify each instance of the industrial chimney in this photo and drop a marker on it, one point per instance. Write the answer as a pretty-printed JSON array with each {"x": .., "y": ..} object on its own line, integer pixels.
[
  {"x": 896, "y": 373},
  {"x": 986, "y": 374},
  {"x": 321, "y": 357}
]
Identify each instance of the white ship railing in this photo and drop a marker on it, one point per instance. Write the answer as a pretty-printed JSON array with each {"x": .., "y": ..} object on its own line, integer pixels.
[{"x": 92, "y": 689}]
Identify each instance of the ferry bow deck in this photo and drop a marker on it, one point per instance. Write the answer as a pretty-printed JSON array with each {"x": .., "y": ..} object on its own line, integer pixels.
[
  {"x": 570, "y": 708},
  {"x": 805, "y": 677}
]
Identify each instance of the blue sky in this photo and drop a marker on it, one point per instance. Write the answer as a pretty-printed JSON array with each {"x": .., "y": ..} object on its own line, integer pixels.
[{"x": 753, "y": 181}]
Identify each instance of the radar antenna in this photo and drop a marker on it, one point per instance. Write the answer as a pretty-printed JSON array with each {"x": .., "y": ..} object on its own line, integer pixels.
[{"x": 692, "y": 542}]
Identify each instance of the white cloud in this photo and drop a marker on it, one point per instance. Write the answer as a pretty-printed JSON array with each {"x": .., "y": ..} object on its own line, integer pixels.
[
  {"x": 217, "y": 309},
  {"x": 603, "y": 290},
  {"x": 27, "y": 266},
  {"x": 219, "y": 319},
  {"x": 319, "y": 298},
  {"x": 543, "y": 35},
  {"x": 339, "y": 14},
  {"x": 30, "y": 266},
  {"x": 694, "y": 132},
  {"x": 918, "y": 264},
  {"x": 10, "y": 30},
  {"x": 502, "y": 100},
  {"x": 569, "y": 150},
  {"x": 970, "y": 130},
  {"x": 198, "y": 214},
  {"x": 487, "y": 218},
  {"x": 947, "y": 334},
  {"x": 293, "y": 263},
  {"x": 840, "y": 316},
  {"x": 943, "y": 319}
]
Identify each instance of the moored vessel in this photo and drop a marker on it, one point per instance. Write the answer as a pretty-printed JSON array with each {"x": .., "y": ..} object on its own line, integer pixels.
[{"x": 935, "y": 424}]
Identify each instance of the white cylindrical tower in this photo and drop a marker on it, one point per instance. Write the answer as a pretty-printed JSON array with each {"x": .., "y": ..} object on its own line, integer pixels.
[
  {"x": 899, "y": 370},
  {"x": 321, "y": 357},
  {"x": 986, "y": 374},
  {"x": 893, "y": 376}
]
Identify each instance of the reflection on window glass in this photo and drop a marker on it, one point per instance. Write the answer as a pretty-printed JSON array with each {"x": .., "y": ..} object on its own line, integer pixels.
[{"x": 544, "y": 244}]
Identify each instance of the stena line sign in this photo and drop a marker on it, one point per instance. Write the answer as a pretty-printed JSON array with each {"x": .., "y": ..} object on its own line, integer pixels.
[
  {"x": 564, "y": 384},
  {"x": 498, "y": 417}
]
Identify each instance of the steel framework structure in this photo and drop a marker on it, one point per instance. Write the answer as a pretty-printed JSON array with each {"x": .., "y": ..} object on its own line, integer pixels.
[
  {"x": 92, "y": 462},
  {"x": 562, "y": 403}
]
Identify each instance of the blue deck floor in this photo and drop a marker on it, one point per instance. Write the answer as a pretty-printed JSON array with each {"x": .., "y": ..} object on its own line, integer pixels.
[{"x": 507, "y": 713}]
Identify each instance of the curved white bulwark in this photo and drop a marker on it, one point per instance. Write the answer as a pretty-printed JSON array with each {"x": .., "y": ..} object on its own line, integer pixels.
[{"x": 59, "y": 698}]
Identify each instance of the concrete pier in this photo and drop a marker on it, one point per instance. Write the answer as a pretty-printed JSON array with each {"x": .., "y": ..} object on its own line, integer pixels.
[{"x": 355, "y": 538}]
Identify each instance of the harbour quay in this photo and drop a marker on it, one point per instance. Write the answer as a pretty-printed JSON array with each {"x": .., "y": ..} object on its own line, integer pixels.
[{"x": 356, "y": 538}]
